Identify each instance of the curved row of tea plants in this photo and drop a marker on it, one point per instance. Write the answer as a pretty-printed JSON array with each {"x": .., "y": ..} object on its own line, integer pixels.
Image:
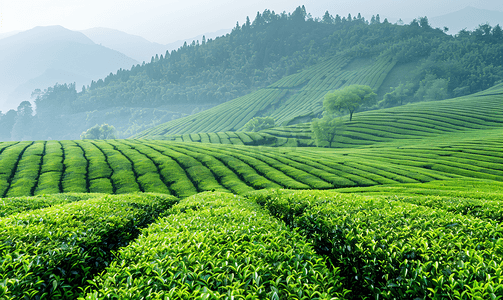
[
  {"x": 51, "y": 252},
  {"x": 393, "y": 249},
  {"x": 218, "y": 246},
  {"x": 412, "y": 121},
  {"x": 294, "y": 96},
  {"x": 184, "y": 169},
  {"x": 440, "y": 239}
]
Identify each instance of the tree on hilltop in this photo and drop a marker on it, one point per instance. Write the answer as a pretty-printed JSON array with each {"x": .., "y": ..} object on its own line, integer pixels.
[{"x": 349, "y": 98}]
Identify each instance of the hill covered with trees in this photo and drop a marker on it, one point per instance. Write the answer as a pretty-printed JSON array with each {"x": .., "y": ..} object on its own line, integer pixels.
[{"x": 256, "y": 56}]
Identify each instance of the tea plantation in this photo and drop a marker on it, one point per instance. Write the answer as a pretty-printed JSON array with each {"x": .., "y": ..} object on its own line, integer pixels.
[
  {"x": 411, "y": 218},
  {"x": 412, "y": 121},
  {"x": 408, "y": 207},
  {"x": 292, "y": 97}
]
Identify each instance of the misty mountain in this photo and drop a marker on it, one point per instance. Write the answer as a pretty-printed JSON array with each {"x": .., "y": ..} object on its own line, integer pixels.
[
  {"x": 42, "y": 56},
  {"x": 133, "y": 46},
  {"x": 7, "y": 34},
  {"x": 467, "y": 18},
  {"x": 256, "y": 55},
  {"x": 137, "y": 47}
]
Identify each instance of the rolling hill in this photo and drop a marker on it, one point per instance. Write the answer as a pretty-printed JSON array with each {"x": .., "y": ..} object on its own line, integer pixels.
[
  {"x": 184, "y": 169},
  {"x": 295, "y": 97},
  {"x": 279, "y": 65},
  {"x": 393, "y": 125},
  {"x": 145, "y": 218},
  {"x": 468, "y": 18}
]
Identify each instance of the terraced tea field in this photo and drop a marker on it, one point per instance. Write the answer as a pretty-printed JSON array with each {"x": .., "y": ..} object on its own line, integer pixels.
[
  {"x": 184, "y": 169},
  {"x": 397, "y": 124},
  {"x": 292, "y": 97}
]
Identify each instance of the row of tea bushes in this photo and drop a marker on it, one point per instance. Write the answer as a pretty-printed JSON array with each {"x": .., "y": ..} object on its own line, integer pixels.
[
  {"x": 218, "y": 246},
  {"x": 184, "y": 169},
  {"x": 9, "y": 206},
  {"x": 51, "y": 253},
  {"x": 396, "y": 250}
]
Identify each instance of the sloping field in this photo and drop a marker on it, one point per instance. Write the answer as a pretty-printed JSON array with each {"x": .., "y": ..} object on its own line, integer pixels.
[
  {"x": 184, "y": 169},
  {"x": 294, "y": 96},
  {"x": 412, "y": 121}
]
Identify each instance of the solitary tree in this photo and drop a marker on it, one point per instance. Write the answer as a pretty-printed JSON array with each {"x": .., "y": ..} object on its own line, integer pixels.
[
  {"x": 97, "y": 132},
  {"x": 349, "y": 98},
  {"x": 325, "y": 131}
]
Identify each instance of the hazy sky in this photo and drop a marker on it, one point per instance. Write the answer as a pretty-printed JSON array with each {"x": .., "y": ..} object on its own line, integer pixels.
[{"x": 167, "y": 21}]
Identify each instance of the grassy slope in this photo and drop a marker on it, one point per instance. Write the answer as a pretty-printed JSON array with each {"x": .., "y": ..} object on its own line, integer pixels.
[{"x": 289, "y": 100}]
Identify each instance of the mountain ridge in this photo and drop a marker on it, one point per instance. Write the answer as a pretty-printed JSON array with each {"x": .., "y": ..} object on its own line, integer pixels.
[
  {"x": 27, "y": 55},
  {"x": 467, "y": 18}
]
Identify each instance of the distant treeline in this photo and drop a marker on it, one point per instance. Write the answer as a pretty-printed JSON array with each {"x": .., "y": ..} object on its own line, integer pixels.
[{"x": 259, "y": 52}]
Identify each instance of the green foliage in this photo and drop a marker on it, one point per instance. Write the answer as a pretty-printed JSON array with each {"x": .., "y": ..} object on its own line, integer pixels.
[
  {"x": 14, "y": 205},
  {"x": 292, "y": 99},
  {"x": 431, "y": 89},
  {"x": 50, "y": 253},
  {"x": 259, "y": 123},
  {"x": 277, "y": 50},
  {"x": 397, "y": 96},
  {"x": 325, "y": 131},
  {"x": 22, "y": 129},
  {"x": 218, "y": 246},
  {"x": 27, "y": 171},
  {"x": 411, "y": 153},
  {"x": 349, "y": 98},
  {"x": 395, "y": 249},
  {"x": 396, "y": 125},
  {"x": 99, "y": 132},
  {"x": 7, "y": 121}
]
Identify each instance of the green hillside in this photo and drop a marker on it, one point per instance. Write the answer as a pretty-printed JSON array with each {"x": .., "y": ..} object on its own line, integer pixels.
[
  {"x": 423, "y": 68},
  {"x": 398, "y": 124},
  {"x": 288, "y": 100},
  {"x": 250, "y": 65}
]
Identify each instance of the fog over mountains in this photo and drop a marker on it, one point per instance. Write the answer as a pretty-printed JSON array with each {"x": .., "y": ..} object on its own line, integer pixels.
[
  {"x": 40, "y": 57},
  {"x": 467, "y": 18},
  {"x": 136, "y": 46}
]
